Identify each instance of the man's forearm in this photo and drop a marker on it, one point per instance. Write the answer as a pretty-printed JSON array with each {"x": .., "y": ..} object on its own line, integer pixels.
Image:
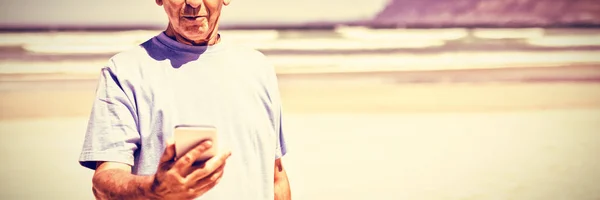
[
  {"x": 119, "y": 184},
  {"x": 282, "y": 188}
]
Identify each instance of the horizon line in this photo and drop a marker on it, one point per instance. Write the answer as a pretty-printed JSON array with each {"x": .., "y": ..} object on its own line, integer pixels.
[{"x": 288, "y": 26}]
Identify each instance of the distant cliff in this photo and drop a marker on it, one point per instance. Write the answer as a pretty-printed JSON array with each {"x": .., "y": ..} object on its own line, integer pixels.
[{"x": 493, "y": 13}]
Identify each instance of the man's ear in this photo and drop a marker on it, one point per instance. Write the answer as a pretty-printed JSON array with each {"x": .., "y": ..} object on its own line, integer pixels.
[
  {"x": 159, "y": 2},
  {"x": 225, "y": 2}
]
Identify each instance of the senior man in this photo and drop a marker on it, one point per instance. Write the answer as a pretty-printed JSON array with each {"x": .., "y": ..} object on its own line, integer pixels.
[{"x": 187, "y": 74}]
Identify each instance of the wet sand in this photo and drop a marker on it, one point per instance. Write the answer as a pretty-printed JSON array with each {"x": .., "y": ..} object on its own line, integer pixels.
[
  {"x": 364, "y": 137},
  {"x": 40, "y": 96}
]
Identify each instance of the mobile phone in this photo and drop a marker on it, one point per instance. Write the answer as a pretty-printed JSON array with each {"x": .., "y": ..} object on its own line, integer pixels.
[{"x": 189, "y": 136}]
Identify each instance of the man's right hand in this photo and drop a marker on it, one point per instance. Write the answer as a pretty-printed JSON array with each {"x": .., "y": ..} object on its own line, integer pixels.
[{"x": 184, "y": 178}]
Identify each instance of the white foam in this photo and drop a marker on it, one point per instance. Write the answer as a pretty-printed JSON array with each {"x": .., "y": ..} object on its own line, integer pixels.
[
  {"x": 104, "y": 42},
  {"x": 447, "y": 61},
  {"x": 345, "y": 63},
  {"x": 123, "y": 37},
  {"x": 75, "y": 49},
  {"x": 97, "y": 46},
  {"x": 363, "y": 33},
  {"x": 356, "y": 38},
  {"x": 340, "y": 44},
  {"x": 566, "y": 41},
  {"x": 75, "y": 67},
  {"x": 260, "y": 35},
  {"x": 524, "y": 33}
]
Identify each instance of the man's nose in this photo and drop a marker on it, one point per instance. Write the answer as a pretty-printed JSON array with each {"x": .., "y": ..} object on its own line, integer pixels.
[{"x": 194, "y": 3}]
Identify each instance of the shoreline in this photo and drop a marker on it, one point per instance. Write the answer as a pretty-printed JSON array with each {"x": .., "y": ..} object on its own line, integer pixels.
[{"x": 522, "y": 74}]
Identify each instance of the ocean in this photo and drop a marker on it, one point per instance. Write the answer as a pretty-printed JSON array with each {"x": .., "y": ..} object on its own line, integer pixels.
[{"x": 344, "y": 49}]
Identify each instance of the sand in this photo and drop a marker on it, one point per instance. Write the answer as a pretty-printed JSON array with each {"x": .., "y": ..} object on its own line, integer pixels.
[
  {"x": 64, "y": 95},
  {"x": 355, "y": 139}
]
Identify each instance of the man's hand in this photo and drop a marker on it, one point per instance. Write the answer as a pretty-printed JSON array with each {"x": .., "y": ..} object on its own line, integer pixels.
[
  {"x": 184, "y": 178},
  {"x": 282, "y": 185}
]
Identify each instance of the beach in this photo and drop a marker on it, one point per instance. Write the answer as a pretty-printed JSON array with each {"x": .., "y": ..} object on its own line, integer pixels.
[
  {"x": 494, "y": 140},
  {"x": 519, "y": 127}
]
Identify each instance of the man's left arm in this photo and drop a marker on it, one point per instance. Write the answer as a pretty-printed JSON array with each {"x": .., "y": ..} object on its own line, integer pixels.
[{"x": 282, "y": 185}]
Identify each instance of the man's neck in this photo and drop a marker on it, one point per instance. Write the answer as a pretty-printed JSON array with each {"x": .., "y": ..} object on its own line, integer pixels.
[{"x": 213, "y": 39}]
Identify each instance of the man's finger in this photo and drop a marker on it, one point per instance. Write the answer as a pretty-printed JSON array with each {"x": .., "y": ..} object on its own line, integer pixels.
[
  {"x": 217, "y": 161},
  {"x": 169, "y": 152},
  {"x": 205, "y": 187},
  {"x": 190, "y": 157},
  {"x": 201, "y": 177},
  {"x": 209, "y": 167}
]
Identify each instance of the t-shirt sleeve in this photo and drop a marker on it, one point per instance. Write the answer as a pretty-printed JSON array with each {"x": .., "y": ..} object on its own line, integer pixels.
[
  {"x": 112, "y": 133},
  {"x": 281, "y": 142},
  {"x": 277, "y": 114}
]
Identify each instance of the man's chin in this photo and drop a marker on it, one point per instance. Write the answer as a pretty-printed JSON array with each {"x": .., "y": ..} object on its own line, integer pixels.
[{"x": 197, "y": 38}]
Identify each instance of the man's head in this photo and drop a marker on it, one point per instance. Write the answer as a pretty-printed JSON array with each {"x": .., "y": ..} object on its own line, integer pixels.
[{"x": 193, "y": 20}]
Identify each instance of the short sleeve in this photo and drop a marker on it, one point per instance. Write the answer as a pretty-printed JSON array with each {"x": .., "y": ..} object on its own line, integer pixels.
[
  {"x": 277, "y": 114},
  {"x": 281, "y": 149},
  {"x": 112, "y": 133}
]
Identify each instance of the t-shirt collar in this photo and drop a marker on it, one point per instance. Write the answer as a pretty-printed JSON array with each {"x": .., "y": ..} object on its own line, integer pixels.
[{"x": 173, "y": 44}]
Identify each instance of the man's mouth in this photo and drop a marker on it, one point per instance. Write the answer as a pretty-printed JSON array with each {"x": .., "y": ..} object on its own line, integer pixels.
[{"x": 189, "y": 17}]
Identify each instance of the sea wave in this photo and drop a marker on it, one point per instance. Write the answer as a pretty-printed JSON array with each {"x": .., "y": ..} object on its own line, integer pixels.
[
  {"x": 364, "y": 33},
  {"x": 444, "y": 61},
  {"x": 528, "y": 33},
  {"x": 345, "y": 63},
  {"x": 566, "y": 41},
  {"x": 109, "y": 38},
  {"x": 288, "y": 44},
  {"x": 342, "y": 38},
  {"x": 123, "y": 37},
  {"x": 106, "y": 43}
]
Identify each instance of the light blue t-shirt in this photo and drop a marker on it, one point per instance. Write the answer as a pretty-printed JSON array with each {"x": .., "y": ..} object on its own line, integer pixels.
[{"x": 143, "y": 93}]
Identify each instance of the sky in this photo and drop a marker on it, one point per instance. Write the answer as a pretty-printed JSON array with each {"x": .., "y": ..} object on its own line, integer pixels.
[{"x": 146, "y": 12}]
